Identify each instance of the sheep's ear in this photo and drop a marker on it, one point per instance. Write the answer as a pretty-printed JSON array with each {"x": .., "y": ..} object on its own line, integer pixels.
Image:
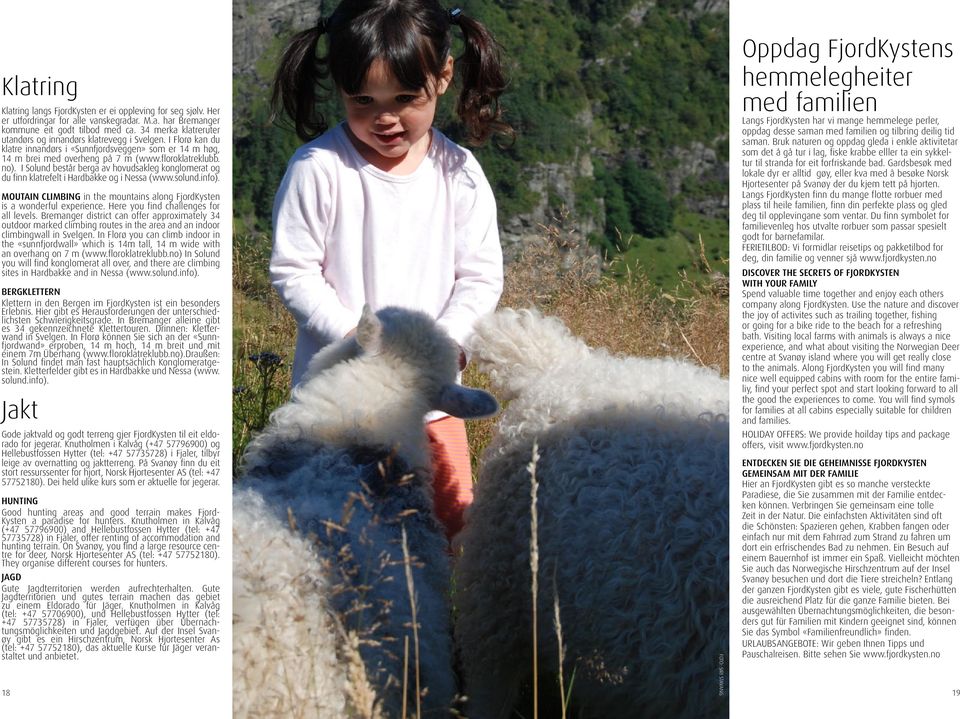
[
  {"x": 467, "y": 403},
  {"x": 369, "y": 331}
]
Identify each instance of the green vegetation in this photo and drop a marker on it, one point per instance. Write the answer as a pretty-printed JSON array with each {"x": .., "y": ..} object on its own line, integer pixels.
[
  {"x": 663, "y": 258},
  {"x": 636, "y": 204}
]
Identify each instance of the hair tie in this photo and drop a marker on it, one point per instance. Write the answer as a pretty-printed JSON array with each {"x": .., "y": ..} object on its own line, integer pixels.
[{"x": 455, "y": 14}]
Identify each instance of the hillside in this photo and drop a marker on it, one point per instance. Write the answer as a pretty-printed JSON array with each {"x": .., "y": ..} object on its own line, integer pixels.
[{"x": 620, "y": 108}]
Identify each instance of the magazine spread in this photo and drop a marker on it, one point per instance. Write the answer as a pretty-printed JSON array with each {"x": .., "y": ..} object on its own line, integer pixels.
[{"x": 792, "y": 551}]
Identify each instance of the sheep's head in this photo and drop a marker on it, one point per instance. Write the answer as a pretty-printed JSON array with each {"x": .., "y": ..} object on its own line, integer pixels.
[{"x": 411, "y": 342}]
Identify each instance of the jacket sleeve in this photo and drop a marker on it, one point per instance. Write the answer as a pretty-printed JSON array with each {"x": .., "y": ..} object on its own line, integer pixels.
[
  {"x": 478, "y": 272},
  {"x": 302, "y": 215}
]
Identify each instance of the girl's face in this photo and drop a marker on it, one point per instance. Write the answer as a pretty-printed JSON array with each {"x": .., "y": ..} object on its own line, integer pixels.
[{"x": 389, "y": 123}]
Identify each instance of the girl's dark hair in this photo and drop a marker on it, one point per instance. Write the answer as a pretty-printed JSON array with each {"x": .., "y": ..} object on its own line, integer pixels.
[{"x": 413, "y": 38}]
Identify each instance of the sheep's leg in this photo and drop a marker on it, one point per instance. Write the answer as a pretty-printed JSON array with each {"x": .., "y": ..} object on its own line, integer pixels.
[
  {"x": 492, "y": 694},
  {"x": 495, "y": 662},
  {"x": 438, "y": 677}
]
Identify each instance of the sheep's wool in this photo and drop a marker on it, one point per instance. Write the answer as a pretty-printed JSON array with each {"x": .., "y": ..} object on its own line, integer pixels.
[
  {"x": 632, "y": 529},
  {"x": 334, "y": 533}
]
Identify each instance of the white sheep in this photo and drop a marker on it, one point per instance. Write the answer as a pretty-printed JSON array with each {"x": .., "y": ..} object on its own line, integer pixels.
[
  {"x": 632, "y": 529},
  {"x": 288, "y": 647},
  {"x": 346, "y": 462}
]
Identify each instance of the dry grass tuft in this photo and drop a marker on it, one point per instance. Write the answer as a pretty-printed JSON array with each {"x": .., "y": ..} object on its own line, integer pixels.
[
  {"x": 362, "y": 698},
  {"x": 558, "y": 631},
  {"x": 534, "y": 566},
  {"x": 411, "y": 593}
]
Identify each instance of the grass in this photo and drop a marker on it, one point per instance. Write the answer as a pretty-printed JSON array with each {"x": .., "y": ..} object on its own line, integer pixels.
[
  {"x": 663, "y": 259},
  {"x": 263, "y": 337}
]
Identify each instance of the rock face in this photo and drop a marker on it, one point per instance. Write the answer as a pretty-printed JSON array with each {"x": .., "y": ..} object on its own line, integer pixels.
[
  {"x": 555, "y": 183},
  {"x": 700, "y": 161},
  {"x": 707, "y": 6},
  {"x": 256, "y": 25}
]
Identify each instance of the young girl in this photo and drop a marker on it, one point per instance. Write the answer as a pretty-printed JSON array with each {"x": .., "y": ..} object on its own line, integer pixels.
[{"x": 382, "y": 209}]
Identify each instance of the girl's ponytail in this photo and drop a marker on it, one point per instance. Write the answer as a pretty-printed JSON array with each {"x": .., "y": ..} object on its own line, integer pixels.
[
  {"x": 297, "y": 81},
  {"x": 482, "y": 80},
  {"x": 413, "y": 37}
]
